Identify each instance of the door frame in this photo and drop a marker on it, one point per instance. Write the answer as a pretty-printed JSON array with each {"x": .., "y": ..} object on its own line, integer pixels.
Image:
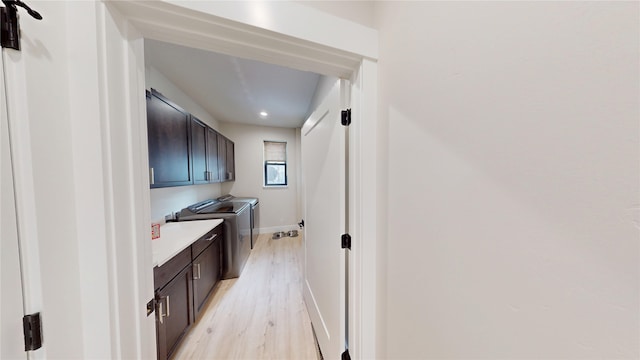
[
  {"x": 23, "y": 184},
  {"x": 11, "y": 302},
  {"x": 264, "y": 31}
]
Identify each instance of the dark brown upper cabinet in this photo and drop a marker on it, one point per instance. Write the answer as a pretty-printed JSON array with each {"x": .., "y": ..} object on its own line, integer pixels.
[
  {"x": 231, "y": 161},
  {"x": 204, "y": 152},
  {"x": 222, "y": 157},
  {"x": 182, "y": 149},
  {"x": 199, "y": 151},
  {"x": 212, "y": 155},
  {"x": 169, "y": 140},
  {"x": 226, "y": 159}
]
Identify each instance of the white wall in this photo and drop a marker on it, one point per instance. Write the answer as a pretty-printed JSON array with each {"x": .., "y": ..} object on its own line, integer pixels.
[
  {"x": 361, "y": 12},
  {"x": 278, "y": 205},
  {"x": 513, "y": 142},
  {"x": 155, "y": 79},
  {"x": 325, "y": 84},
  {"x": 172, "y": 199}
]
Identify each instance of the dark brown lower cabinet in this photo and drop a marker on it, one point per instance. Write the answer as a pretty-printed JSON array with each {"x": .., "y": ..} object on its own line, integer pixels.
[
  {"x": 183, "y": 285},
  {"x": 206, "y": 273},
  {"x": 174, "y": 312}
]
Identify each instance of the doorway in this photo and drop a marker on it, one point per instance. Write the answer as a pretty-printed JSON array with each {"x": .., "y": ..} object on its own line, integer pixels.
[
  {"x": 227, "y": 93},
  {"x": 231, "y": 29}
]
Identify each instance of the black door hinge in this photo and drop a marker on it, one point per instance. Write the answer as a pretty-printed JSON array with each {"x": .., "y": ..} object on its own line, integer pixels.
[
  {"x": 346, "y": 117},
  {"x": 151, "y": 306},
  {"x": 345, "y": 355},
  {"x": 32, "y": 326},
  {"x": 10, "y": 23},
  {"x": 346, "y": 241}
]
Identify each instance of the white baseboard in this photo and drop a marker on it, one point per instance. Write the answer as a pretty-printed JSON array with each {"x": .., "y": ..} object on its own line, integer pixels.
[{"x": 271, "y": 230}]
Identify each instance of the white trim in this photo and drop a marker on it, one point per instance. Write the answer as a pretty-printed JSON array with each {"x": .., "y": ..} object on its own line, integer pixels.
[
  {"x": 124, "y": 141},
  {"x": 314, "y": 311},
  {"x": 293, "y": 20},
  {"x": 23, "y": 181},
  {"x": 221, "y": 27},
  {"x": 140, "y": 205},
  {"x": 12, "y": 301},
  {"x": 226, "y": 27},
  {"x": 86, "y": 116},
  {"x": 363, "y": 183},
  {"x": 272, "y": 229},
  {"x": 110, "y": 232}
]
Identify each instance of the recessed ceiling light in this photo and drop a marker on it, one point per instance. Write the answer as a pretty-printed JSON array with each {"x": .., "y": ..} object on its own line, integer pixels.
[{"x": 264, "y": 114}]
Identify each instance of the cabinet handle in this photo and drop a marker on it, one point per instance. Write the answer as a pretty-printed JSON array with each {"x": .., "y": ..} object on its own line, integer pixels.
[
  {"x": 152, "y": 176},
  {"x": 211, "y": 238},
  {"x": 160, "y": 314},
  {"x": 196, "y": 277}
]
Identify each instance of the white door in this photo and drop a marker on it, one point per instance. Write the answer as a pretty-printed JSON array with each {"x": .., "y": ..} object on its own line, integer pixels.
[
  {"x": 11, "y": 308},
  {"x": 324, "y": 183}
]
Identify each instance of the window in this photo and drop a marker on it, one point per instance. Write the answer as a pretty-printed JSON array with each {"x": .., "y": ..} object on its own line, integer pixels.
[{"x": 275, "y": 163}]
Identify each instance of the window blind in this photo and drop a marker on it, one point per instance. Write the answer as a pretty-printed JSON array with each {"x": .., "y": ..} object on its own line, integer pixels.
[{"x": 275, "y": 151}]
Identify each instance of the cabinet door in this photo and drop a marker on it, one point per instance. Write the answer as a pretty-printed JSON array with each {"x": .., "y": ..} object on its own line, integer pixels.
[
  {"x": 212, "y": 155},
  {"x": 169, "y": 148},
  {"x": 162, "y": 275},
  {"x": 206, "y": 273},
  {"x": 199, "y": 151},
  {"x": 222, "y": 157},
  {"x": 230, "y": 164},
  {"x": 174, "y": 313}
]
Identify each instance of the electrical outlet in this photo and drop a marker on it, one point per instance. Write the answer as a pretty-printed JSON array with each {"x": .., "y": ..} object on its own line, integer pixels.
[
  {"x": 171, "y": 217},
  {"x": 155, "y": 231}
]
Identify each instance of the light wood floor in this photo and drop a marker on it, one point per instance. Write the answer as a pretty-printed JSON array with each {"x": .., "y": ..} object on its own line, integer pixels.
[{"x": 260, "y": 315}]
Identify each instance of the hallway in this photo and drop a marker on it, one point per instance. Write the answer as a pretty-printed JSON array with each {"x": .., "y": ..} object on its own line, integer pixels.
[{"x": 260, "y": 315}]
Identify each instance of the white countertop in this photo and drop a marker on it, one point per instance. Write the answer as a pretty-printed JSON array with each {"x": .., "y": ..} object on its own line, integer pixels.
[{"x": 177, "y": 236}]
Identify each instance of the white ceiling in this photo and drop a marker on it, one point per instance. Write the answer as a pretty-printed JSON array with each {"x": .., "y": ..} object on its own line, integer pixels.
[{"x": 234, "y": 89}]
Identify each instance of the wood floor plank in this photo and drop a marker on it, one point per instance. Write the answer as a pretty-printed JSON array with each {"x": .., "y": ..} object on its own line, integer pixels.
[{"x": 260, "y": 315}]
